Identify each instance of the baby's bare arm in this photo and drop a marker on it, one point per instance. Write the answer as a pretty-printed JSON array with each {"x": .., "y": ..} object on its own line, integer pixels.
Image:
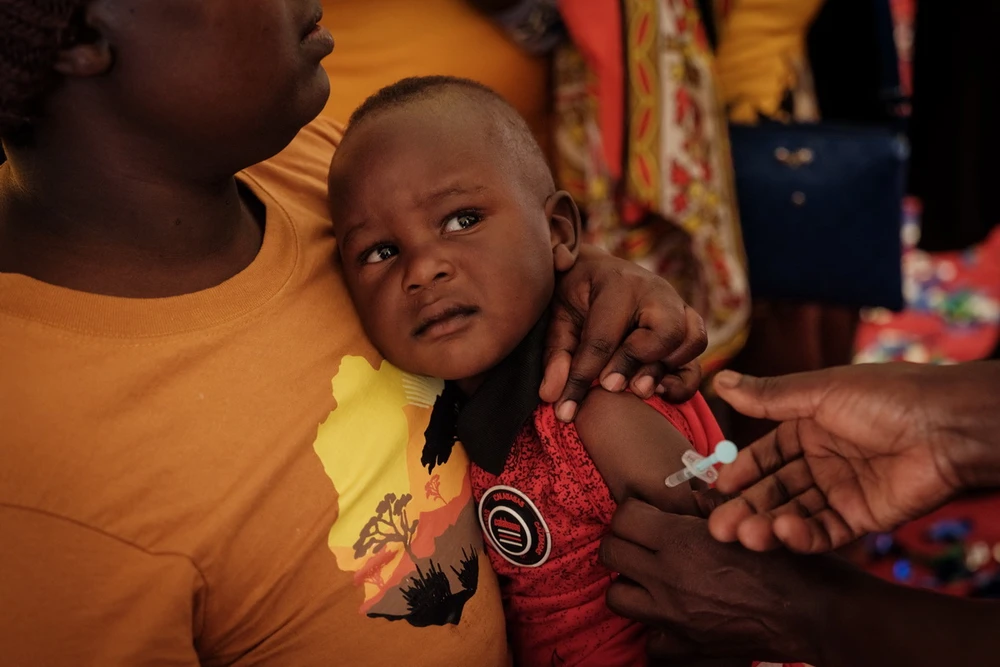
[{"x": 634, "y": 447}]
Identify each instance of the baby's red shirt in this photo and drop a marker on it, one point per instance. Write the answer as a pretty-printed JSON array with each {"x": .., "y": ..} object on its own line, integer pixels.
[{"x": 544, "y": 508}]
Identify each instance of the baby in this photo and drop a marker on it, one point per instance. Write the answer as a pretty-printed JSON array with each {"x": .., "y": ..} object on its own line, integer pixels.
[{"x": 451, "y": 233}]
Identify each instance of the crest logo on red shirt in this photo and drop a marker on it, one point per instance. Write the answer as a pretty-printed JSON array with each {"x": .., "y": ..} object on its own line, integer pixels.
[{"x": 514, "y": 527}]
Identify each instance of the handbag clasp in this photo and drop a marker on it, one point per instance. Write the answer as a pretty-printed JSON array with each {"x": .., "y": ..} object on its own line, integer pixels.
[{"x": 794, "y": 159}]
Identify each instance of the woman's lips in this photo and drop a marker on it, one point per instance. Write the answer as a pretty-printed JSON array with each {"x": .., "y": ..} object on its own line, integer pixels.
[
  {"x": 319, "y": 38},
  {"x": 315, "y": 36}
]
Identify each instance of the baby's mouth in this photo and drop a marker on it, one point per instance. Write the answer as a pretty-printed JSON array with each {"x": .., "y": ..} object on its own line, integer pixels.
[{"x": 447, "y": 315}]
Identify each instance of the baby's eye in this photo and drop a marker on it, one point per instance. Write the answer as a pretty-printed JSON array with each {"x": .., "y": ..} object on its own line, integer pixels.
[
  {"x": 380, "y": 254},
  {"x": 457, "y": 223}
]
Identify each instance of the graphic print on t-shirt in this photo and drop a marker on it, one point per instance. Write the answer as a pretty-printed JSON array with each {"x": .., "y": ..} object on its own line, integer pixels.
[
  {"x": 408, "y": 531},
  {"x": 514, "y": 526}
]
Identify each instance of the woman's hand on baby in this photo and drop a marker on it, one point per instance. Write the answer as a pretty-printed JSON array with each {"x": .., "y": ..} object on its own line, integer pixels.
[
  {"x": 860, "y": 449},
  {"x": 614, "y": 321}
]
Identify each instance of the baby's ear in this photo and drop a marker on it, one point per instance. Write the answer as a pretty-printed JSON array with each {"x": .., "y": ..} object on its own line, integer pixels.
[
  {"x": 90, "y": 52},
  {"x": 564, "y": 229}
]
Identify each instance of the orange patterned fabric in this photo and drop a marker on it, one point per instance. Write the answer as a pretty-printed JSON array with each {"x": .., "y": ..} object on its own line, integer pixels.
[
  {"x": 665, "y": 199},
  {"x": 643, "y": 94}
]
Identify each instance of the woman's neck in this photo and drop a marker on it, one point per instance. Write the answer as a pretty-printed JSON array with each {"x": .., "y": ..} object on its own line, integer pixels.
[{"x": 108, "y": 224}]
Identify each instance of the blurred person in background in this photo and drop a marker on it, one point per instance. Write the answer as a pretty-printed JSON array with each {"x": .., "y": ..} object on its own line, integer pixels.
[
  {"x": 382, "y": 41},
  {"x": 765, "y": 73}
]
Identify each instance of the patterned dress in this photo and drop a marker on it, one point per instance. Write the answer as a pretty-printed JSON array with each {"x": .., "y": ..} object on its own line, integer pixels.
[{"x": 641, "y": 143}]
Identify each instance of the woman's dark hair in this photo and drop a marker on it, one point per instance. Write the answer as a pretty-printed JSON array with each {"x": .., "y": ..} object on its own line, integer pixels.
[{"x": 32, "y": 32}]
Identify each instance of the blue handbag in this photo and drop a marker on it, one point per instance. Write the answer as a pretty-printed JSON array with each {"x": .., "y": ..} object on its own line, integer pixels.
[
  {"x": 821, "y": 209},
  {"x": 821, "y": 205}
]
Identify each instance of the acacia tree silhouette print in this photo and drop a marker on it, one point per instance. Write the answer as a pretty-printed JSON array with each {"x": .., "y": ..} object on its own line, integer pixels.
[{"x": 429, "y": 598}]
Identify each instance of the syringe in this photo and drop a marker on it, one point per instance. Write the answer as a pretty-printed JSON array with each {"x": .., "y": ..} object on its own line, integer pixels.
[{"x": 702, "y": 467}]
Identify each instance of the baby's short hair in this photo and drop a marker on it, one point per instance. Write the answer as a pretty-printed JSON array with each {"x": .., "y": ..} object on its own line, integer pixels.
[
  {"x": 33, "y": 32},
  {"x": 419, "y": 88}
]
